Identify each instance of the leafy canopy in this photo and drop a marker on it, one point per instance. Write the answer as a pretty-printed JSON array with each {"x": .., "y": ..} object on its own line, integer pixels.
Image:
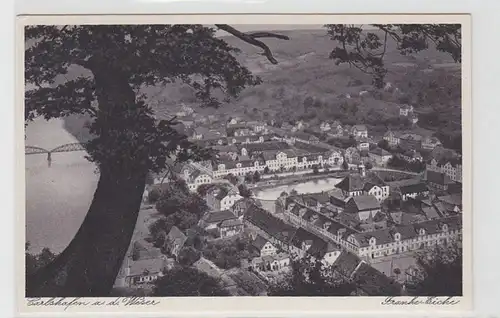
[
  {"x": 122, "y": 59},
  {"x": 365, "y": 49},
  {"x": 187, "y": 281}
]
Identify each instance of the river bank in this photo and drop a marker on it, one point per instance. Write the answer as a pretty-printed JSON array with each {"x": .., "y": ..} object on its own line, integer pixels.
[{"x": 57, "y": 197}]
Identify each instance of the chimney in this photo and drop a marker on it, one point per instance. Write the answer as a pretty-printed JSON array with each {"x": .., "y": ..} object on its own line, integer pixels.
[
  {"x": 341, "y": 232},
  {"x": 327, "y": 225}
]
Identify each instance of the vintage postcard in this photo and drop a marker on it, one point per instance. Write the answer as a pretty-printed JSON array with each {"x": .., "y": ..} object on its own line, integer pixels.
[{"x": 265, "y": 164}]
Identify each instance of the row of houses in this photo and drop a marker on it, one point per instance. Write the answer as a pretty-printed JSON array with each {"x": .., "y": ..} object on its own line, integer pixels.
[
  {"x": 275, "y": 240},
  {"x": 283, "y": 237},
  {"x": 383, "y": 242},
  {"x": 452, "y": 168},
  {"x": 411, "y": 141}
]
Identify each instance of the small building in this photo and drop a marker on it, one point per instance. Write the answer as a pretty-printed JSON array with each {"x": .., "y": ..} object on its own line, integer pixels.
[
  {"x": 352, "y": 155},
  {"x": 325, "y": 126},
  {"x": 230, "y": 227},
  {"x": 271, "y": 263},
  {"x": 175, "y": 241},
  {"x": 371, "y": 282},
  {"x": 213, "y": 219},
  {"x": 438, "y": 180},
  {"x": 405, "y": 110},
  {"x": 365, "y": 207},
  {"x": 356, "y": 184},
  {"x": 392, "y": 138},
  {"x": 240, "y": 207},
  {"x": 380, "y": 156},
  {"x": 222, "y": 197},
  {"x": 263, "y": 246},
  {"x": 197, "y": 178},
  {"x": 410, "y": 141},
  {"x": 429, "y": 143},
  {"x": 363, "y": 144},
  {"x": 412, "y": 156},
  {"x": 452, "y": 168},
  {"x": 413, "y": 190},
  {"x": 359, "y": 131},
  {"x": 143, "y": 271}
]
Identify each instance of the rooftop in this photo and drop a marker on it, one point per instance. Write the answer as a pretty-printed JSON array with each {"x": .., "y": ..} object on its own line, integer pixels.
[
  {"x": 218, "y": 216},
  {"x": 146, "y": 266},
  {"x": 259, "y": 242},
  {"x": 374, "y": 283},
  {"x": 231, "y": 222},
  {"x": 365, "y": 202}
]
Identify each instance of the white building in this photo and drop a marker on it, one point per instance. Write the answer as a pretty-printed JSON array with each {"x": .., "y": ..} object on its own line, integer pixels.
[
  {"x": 359, "y": 131},
  {"x": 222, "y": 197},
  {"x": 452, "y": 168},
  {"x": 405, "y": 110}
]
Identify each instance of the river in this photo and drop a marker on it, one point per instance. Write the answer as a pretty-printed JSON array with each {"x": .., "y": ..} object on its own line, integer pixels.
[
  {"x": 269, "y": 195},
  {"x": 57, "y": 197}
]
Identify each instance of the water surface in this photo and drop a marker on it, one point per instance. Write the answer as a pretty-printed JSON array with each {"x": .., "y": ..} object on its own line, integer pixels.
[{"x": 57, "y": 197}]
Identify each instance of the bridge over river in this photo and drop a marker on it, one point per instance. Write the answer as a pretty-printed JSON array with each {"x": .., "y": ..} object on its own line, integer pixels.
[{"x": 34, "y": 150}]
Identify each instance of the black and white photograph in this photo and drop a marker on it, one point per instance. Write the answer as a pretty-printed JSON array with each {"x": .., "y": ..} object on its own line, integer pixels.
[{"x": 174, "y": 160}]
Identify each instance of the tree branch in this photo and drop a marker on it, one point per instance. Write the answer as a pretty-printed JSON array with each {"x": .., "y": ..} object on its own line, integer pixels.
[{"x": 251, "y": 38}]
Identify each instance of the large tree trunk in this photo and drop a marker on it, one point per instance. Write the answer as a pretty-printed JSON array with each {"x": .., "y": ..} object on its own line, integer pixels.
[{"x": 89, "y": 265}]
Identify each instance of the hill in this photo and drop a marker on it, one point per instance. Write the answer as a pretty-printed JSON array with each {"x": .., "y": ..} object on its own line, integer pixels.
[{"x": 306, "y": 84}]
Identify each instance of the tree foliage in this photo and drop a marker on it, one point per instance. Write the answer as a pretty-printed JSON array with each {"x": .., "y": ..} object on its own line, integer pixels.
[
  {"x": 187, "y": 281},
  {"x": 365, "y": 49},
  {"x": 128, "y": 140},
  {"x": 188, "y": 255},
  {"x": 180, "y": 206},
  {"x": 310, "y": 277},
  {"x": 244, "y": 191},
  {"x": 228, "y": 254},
  {"x": 232, "y": 178},
  {"x": 439, "y": 272},
  {"x": 37, "y": 261}
]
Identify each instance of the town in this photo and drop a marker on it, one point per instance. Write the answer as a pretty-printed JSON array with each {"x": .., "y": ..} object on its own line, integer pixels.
[{"x": 384, "y": 197}]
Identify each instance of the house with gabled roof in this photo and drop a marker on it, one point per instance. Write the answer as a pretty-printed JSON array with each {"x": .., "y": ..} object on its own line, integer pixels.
[
  {"x": 371, "y": 282},
  {"x": 437, "y": 180},
  {"x": 276, "y": 230},
  {"x": 410, "y": 141},
  {"x": 380, "y": 156},
  {"x": 230, "y": 227},
  {"x": 222, "y": 197},
  {"x": 346, "y": 264},
  {"x": 430, "y": 142},
  {"x": 365, "y": 207},
  {"x": 351, "y": 185},
  {"x": 223, "y": 223},
  {"x": 392, "y": 138},
  {"x": 359, "y": 131},
  {"x": 263, "y": 246},
  {"x": 356, "y": 184},
  {"x": 407, "y": 190},
  {"x": 452, "y": 167},
  {"x": 141, "y": 272},
  {"x": 363, "y": 144},
  {"x": 175, "y": 241}
]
